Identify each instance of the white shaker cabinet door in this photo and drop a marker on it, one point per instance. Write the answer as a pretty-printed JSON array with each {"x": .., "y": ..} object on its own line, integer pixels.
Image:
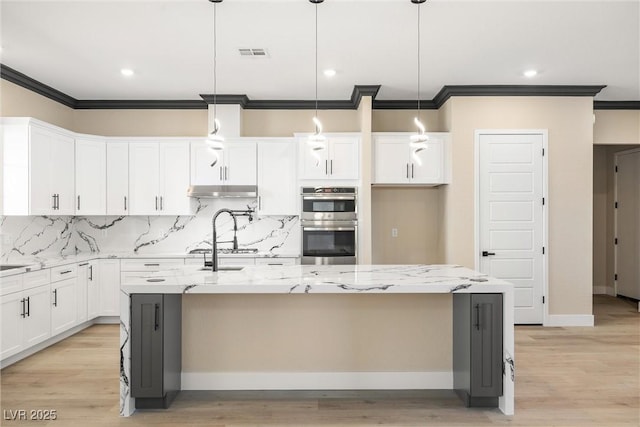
[
  {"x": 37, "y": 323},
  {"x": 109, "y": 278},
  {"x": 207, "y": 165},
  {"x": 144, "y": 173},
  {"x": 64, "y": 305},
  {"x": 81, "y": 287},
  {"x": 391, "y": 160},
  {"x": 117, "y": 178},
  {"x": 344, "y": 158},
  {"x": 277, "y": 189},
  {"x": 91, "y": 177},
  {"x": 42, "y": 200},
  {"x": 63, "y": 173},
  {"x": 12, "y": 312},
  {"x": 314, "y": 164},
  {"x": 427, "y": 167},
  {"x": 174, "y": 179},
  {"x": 240, "y": 164},
  {"x": 93, "y": 290}
]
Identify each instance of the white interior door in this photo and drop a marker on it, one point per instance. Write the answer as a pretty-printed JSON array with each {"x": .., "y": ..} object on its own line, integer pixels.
[
  {"x": 510, "y": 220},
  {"x": 628, "y": 224}
]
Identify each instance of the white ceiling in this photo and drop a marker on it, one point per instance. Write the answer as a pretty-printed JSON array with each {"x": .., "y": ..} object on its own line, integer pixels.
[{"x": 79, "y": 47}]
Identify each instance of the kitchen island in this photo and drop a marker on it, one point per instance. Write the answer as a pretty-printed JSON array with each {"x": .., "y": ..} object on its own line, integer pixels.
[{"x": 192, "y": 282}]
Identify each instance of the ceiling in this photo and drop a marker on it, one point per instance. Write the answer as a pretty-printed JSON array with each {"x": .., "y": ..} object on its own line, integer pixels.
[{"x": 79, "y": 47}]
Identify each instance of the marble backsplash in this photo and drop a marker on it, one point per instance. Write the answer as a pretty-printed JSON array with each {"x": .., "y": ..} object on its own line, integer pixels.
[{"x": 34, "y": 236}]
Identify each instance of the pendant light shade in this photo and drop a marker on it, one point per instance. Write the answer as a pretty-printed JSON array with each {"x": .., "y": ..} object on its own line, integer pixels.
[
  {"x": 317, "y": 141},
  {"x": 215, "y": 141},
  {"x": 418, "y": 141}
]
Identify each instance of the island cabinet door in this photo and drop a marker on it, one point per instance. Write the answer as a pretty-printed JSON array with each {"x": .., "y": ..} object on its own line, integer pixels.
[
  {"x": 477, "y": 348},
  {"x": 486, "y": 345},
  {"x": 146, "y": 345}
]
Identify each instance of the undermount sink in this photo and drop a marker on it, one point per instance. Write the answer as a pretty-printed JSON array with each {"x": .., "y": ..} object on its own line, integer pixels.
[
  {"x": 225, "y": 268},
  {"x": 10, "y": 266}
]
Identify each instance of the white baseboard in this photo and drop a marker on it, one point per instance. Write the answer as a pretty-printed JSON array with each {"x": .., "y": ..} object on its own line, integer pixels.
[
  {"x": 316, "y": 380},
  {"x": 569, "y": 320},
  {"x": 603, "y": 290},
  {"x": 107, "y": 320}
]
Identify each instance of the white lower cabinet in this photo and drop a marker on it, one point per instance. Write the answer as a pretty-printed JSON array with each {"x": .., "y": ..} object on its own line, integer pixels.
[
  {"x": 109, "y": 279},
  {"x": 82, "y": 289},
  {"x": 64, "y": 305},
  {"x": 93, "y": 290},
  {"x": 25, "y": 314}
]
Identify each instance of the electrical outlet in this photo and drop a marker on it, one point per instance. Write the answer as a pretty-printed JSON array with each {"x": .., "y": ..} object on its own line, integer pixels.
[{"x": 394, "y": 232}]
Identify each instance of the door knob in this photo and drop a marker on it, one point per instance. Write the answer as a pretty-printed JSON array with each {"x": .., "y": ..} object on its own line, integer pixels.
[{"x": 485, "y": 253}]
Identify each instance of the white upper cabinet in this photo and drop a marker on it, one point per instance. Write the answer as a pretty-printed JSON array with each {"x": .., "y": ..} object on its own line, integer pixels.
[
  {"x": 91, "y": 177},
  {"x": 277, "y": 189},
  {"x": 233, "y": 165},
  {"x": 396, "y": 162},
  {"x": 159, "y": 178},
  {"x": 38, "y": 169},
  {"x": 340, "y": 159},
  {"x": 117, "y": 178}
]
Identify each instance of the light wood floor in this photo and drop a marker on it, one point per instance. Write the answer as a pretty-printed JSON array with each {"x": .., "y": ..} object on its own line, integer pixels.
[{"x": 565, "y": 377}]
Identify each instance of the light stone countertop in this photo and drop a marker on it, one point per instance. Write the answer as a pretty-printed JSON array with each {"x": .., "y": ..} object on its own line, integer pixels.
[{"x": 337, "y": 279}]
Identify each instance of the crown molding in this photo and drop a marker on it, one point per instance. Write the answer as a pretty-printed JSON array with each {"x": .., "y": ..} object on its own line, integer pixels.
[
  {"x": 616, "y": 105},
  {"x": 16, "y": 77},
  {"x": 353, "y": 103},
  {"x": 140, "y": 104}
]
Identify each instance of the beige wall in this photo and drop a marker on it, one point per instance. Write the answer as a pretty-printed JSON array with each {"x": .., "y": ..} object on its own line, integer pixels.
[
  {"x": 402, "y": 120},
  {"x": 316, "y": 333},
  {"x": 142, "y": 122},
  {"x": 16, "y": 101},
  {"x": 616, "y": 127},
  {"x": 415, "y": 212},
  {"x": 570, "y": 126},
  {"x": 287, "y": 122}
]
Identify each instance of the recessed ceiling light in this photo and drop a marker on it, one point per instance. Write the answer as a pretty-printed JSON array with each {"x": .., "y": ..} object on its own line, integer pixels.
[
  {"x": 128, "y": 72},
  {"x": 329, "y": 73},
  {"x": 530, "y": 73}
]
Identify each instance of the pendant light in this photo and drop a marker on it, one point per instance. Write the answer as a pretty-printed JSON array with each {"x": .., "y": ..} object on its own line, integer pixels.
[
  {"x": 215, "y": 141},
  {"x": 418, "y": 142},
  {"x": 317, "y": 141}
]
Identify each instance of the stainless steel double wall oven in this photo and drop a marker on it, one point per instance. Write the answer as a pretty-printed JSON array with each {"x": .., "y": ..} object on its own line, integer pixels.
[{"x": 329, "y": 222}]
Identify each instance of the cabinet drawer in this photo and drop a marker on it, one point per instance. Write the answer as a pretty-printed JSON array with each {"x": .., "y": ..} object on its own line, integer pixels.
[
  {"x": 138, "y": 278},
  {"x": 11, "y": 284},
  {"x": 276, "y": 261},
  {"x": 37, "y": 278},
  {"x": 150, "y": 264},
  {"x": 63, "y": 272}
]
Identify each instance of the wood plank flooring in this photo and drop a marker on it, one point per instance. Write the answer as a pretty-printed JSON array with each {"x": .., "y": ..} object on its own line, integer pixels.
[{"x": 565, "y": 377}]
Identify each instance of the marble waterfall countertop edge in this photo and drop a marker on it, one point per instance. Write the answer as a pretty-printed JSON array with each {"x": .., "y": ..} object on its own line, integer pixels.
[
  {"x": 41, "y": 262},
  {"x": 336, "y": 279}
]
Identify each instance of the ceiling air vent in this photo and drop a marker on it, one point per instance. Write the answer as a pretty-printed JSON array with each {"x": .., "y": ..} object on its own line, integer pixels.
[{"x": 253, "y": 52}]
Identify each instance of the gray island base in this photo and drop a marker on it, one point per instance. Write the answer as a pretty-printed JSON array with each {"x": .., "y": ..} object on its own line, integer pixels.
[{"x": 482, "y": 369}]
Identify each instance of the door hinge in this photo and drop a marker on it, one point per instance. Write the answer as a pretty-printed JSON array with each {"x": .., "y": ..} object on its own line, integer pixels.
[
  {"x": 543, "y": 201},
  {"x": 543, "y": 151},
  {"x": 615, "y": 276},
  {"x": 615, "y": 241},
  {"x": 543, "y": 299},
  {"x": 543, "y": 250},
  {"x": 615, "y": 205}
]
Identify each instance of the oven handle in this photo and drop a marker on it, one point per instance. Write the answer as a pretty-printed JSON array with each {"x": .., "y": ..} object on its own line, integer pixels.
[
  {"x": 328, "y": 228},
  {"x": 329, "y": 197}
]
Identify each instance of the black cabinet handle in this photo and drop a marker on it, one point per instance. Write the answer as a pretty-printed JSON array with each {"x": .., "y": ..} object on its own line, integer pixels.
[
  {"x": 157, "y": 318},
  {"x": 161, "y": 204},
  {"x": 125, "y": 203},
  {"x": 78, "y": 202},
  {"x": 407, "y": 170},
  {"x": 53, "y": 196},
  {"x": 83, "y": 264},
  {"x": 477, "y": 324},
  {"x": 28, "y": 306},
  {"x": 331, "y": 164},
  {"x": 24, "y": 311},
  {"x": 411, "y": 170},
  {"x": 156, "y": 202},
  {"x": 326, "y": 167},
  {"x": 66, "y": 272},
  {"x": 91, "y": 273},
  {"x": 152, "y": 265},
  {"x": 55, "y": 297},
  {"x": 485, "y": 253}
]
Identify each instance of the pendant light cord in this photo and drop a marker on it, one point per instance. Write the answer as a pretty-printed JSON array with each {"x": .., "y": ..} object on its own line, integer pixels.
[
  {"x": 215, "y": 27},
  {"x": 418, "y": 56},
  {"x": 316, "y": 70}
]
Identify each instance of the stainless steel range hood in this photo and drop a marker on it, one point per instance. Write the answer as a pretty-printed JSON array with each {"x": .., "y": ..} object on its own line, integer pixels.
[{"x": 221, "y": 191}]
